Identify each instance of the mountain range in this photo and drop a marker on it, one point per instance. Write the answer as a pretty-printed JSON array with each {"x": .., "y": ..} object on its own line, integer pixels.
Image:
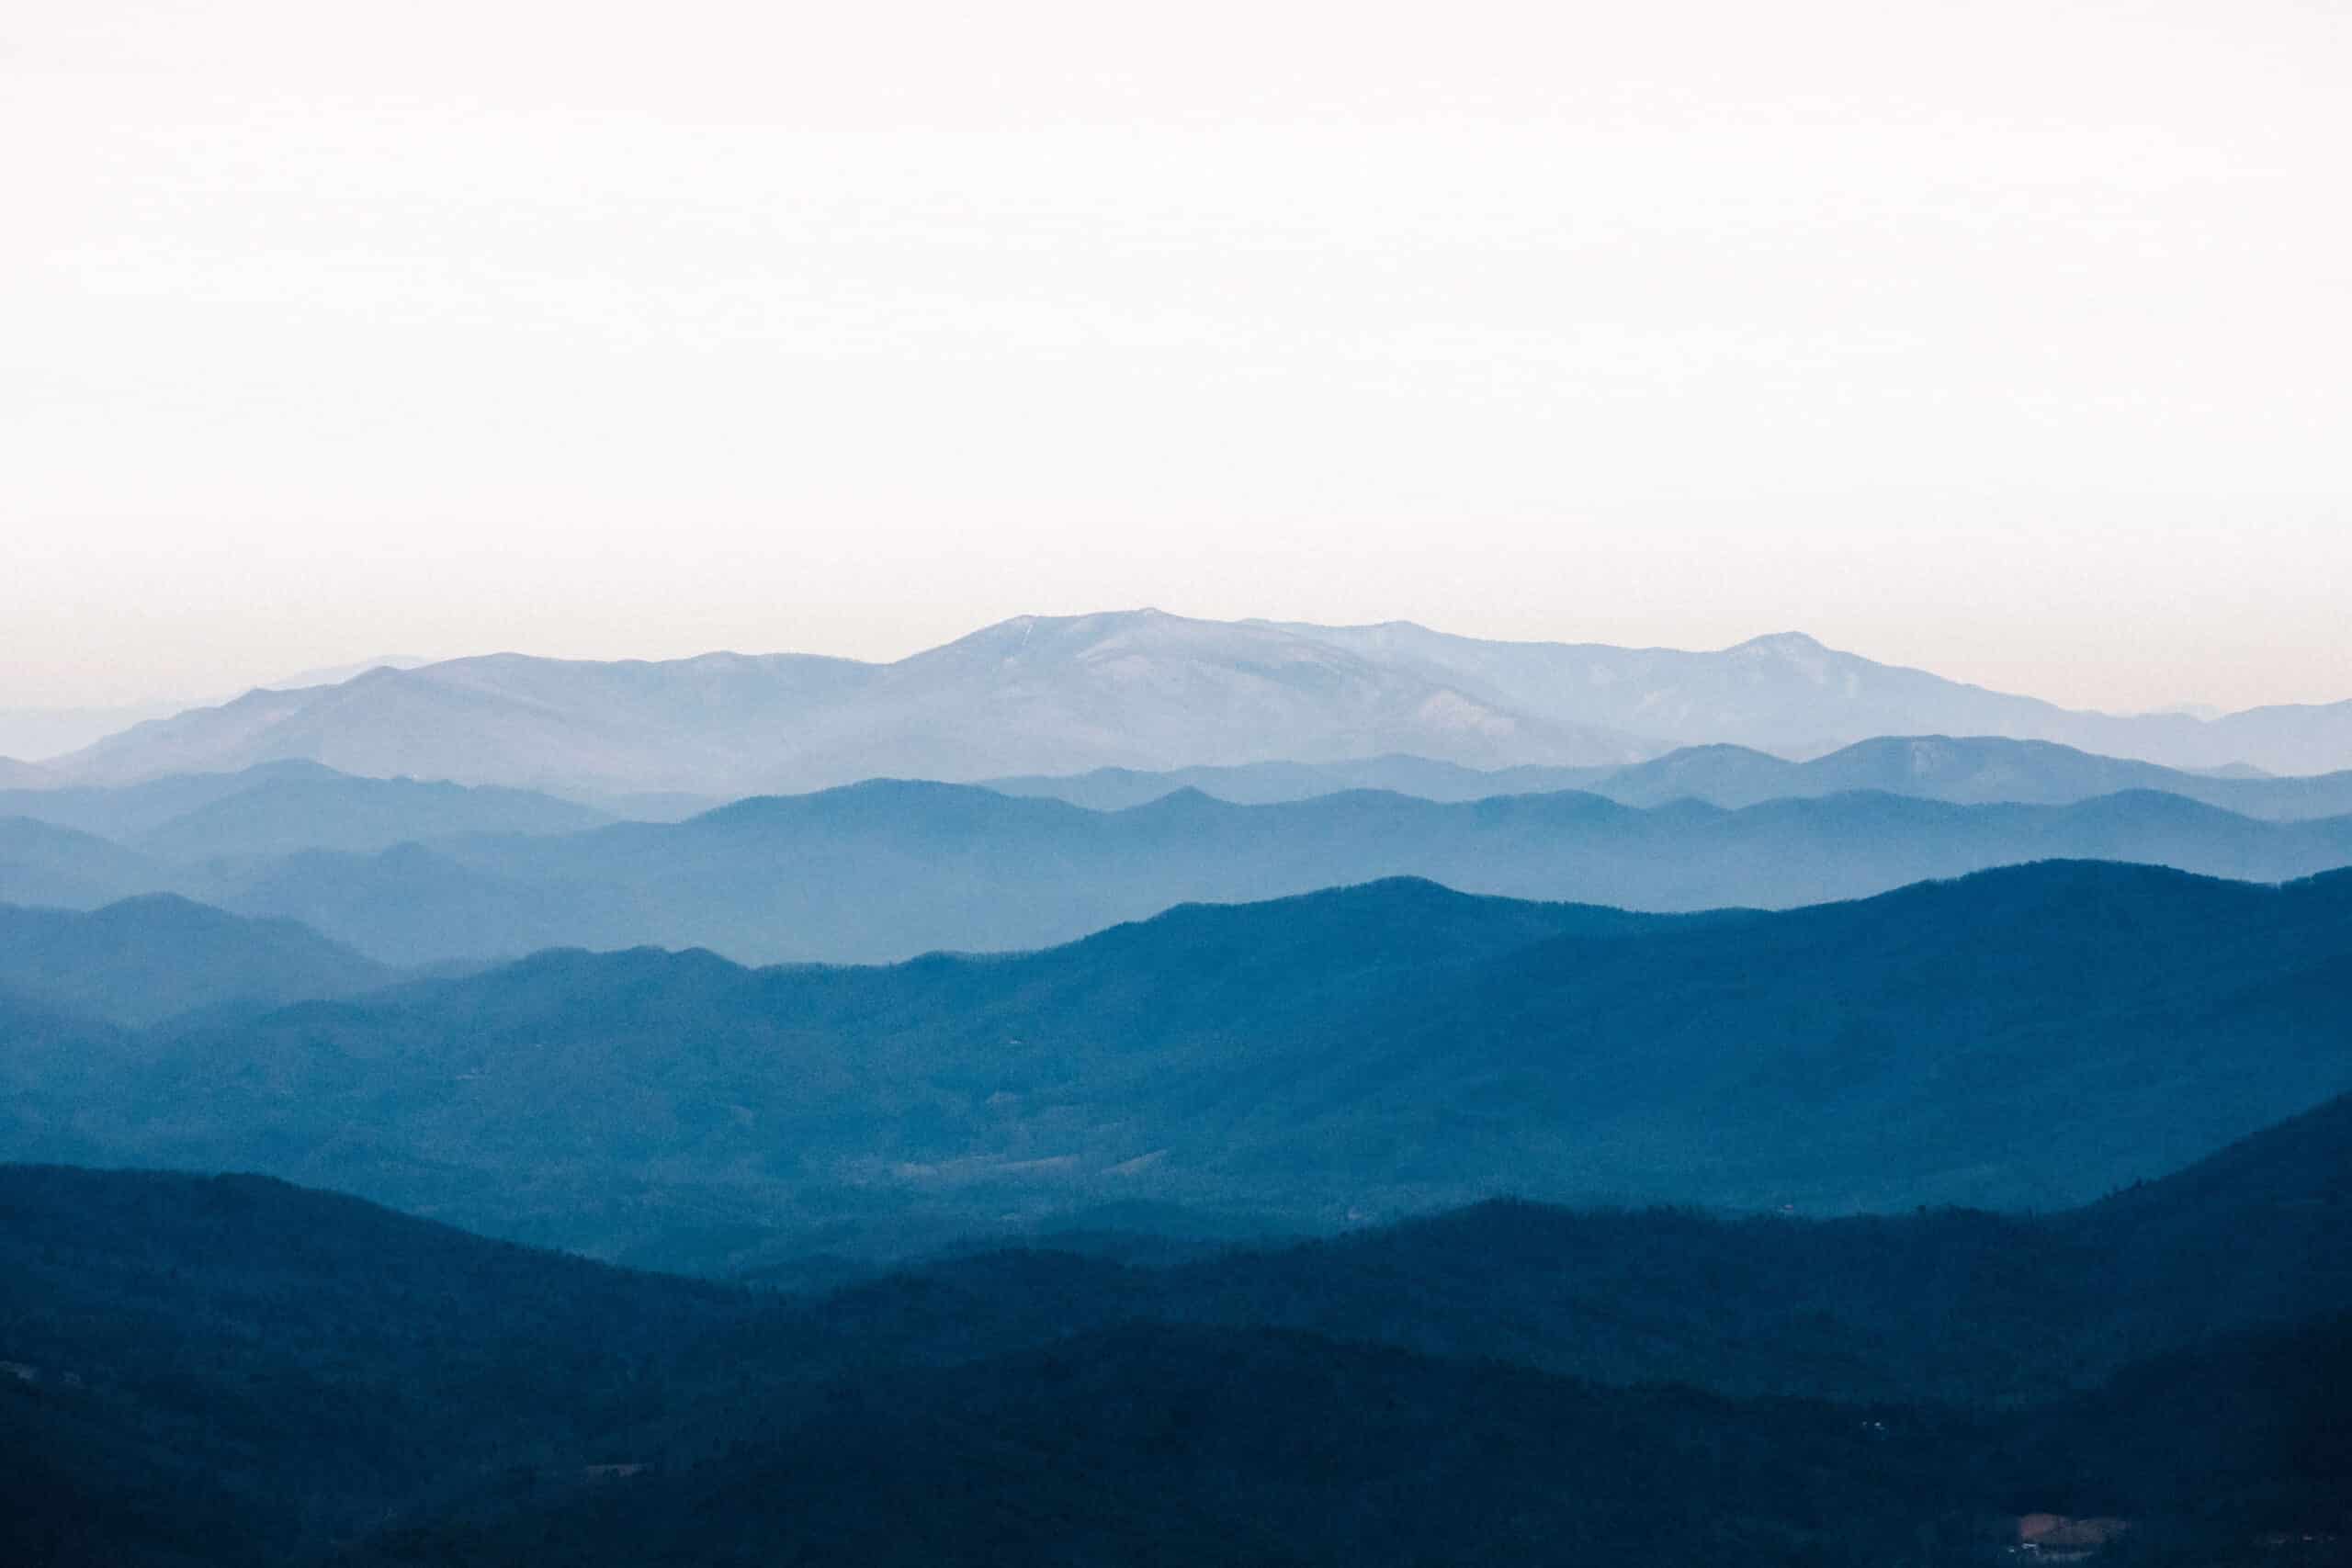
[
  {"x": 50, "y": 731},
  {"x": 1966, "y": 771},
  {"x": 1129, "y": 1089},
  {"x": 889, "y": 871},
  {"x": 1034, "y": 694},
  {"x": 244, "y": 840},
  {"x": 1790, "y": 694},
  {"x": 1140, "y": 690},
  {"x": 2029, "y": 1037},
  {"x": 415, "y": 872},
  {"x": 276, "y": 808}
]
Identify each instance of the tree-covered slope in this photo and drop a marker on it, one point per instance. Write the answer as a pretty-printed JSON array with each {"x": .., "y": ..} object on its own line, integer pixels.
[
  {"x": 2028, "y": 1038},
  {"x": 229, "y": 1370}
]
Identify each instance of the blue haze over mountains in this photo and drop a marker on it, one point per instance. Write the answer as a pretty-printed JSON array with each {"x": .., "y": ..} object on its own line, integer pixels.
[
  {"x": 1288, "y": 725},
  {"x": 890, "y": 869},
  {"x": 223, "y": 906},
  {"x": 2029, "y": 1037},
  {"x": 1138, "y": 1089}
]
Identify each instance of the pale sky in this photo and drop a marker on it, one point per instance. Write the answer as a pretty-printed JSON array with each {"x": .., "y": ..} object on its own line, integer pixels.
[{"x": 2013, "y": 340}]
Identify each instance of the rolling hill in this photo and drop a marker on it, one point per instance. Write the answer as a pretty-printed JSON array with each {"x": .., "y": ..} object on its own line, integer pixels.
[
  {"x": 277, "y": 809},
  {"x": 43, "y": 863},
  {"x": 151, "y": 957},
  {"x": 288, "y": 812}
]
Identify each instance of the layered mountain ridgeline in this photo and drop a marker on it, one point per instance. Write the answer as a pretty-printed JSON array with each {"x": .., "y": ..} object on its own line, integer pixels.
[
  {"x": 206, "y": 835},
  {"x": 889, "y": 870},
  {"x": 276, "y": 808},
  {"x": 1141, "y": 689},
  {"x": 2026, "y": 1038},
  {"x": 230, "y": 1371},
  {"x": 412, "y": 872},
  {"x": 1971, "y": 771},
  {"x": 1964, "y": 772},
  {"x": 1274, "y": 783},
  {"x": 41, "y": 863}
]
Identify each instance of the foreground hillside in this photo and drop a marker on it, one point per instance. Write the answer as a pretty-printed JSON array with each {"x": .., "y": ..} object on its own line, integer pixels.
[
  {"x": 2028, "y": 1038},
  {"x": 1153, "y": 1444},
  {"x": 227, "y": 1371},
  {"x": 230, "y": 1371}
]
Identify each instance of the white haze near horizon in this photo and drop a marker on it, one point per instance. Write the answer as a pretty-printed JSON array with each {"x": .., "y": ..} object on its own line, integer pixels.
[{"x": 2005, "y": 340}]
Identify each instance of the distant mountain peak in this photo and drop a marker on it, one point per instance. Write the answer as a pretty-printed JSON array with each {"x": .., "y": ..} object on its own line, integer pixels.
[
  {"x": 335, "y": 676},
  {"x": 1782, "y": 642},
  {"x": 15, "y": 774}
]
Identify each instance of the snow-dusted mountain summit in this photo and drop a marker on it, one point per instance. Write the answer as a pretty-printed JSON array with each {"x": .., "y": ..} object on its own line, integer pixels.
[{"x": 1136, "y": 689}]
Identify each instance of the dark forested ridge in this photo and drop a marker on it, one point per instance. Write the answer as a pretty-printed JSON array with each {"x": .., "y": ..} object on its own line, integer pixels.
[
  {"x": 1156, "y": 1444},
  {"x": 226, "y": 1369},
  {"x": 1955, "y": 1305},
  {"x": 230, "y": 1371},
  {"x": 2028, "y": 1038}
]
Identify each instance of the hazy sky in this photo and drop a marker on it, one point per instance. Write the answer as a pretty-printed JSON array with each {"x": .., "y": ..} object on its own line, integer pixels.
[{"x": 2014, "y": 340}]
